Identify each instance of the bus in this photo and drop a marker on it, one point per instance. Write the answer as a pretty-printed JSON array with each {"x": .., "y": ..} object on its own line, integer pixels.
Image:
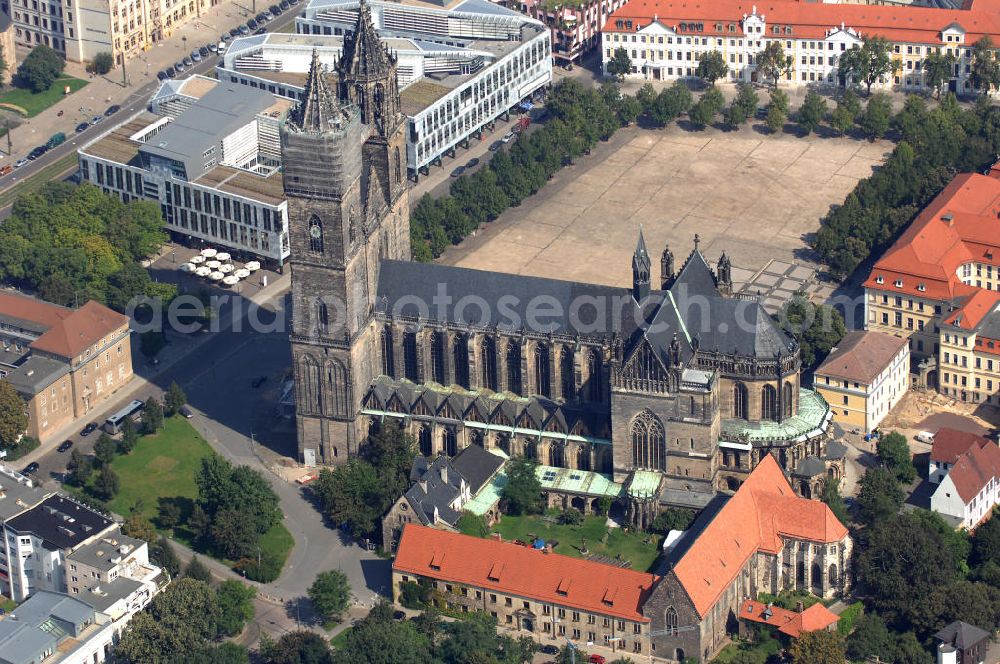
[{"x": 113, "y": 424}]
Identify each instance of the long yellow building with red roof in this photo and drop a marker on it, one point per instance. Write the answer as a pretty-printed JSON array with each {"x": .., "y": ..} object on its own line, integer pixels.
[
  {"x": 665, "y": 39},
  {"x": 763, "y": 539},
  {"x": 939, "y": 286}
]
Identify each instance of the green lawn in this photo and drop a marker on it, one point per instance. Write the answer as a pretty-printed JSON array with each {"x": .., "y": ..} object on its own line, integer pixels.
[
  {"x": 341, "y": 638},
  {"x": 632, "y": 545},
  {"x": 277, "y": 541},
  {"x": 36, "y": 103},
  {"x": 758, "y": 652},
  {"x": 163, "y": 464}
]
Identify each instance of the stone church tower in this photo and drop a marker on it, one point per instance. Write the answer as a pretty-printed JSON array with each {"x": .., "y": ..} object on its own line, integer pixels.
[{"x": 348, "y": 209}]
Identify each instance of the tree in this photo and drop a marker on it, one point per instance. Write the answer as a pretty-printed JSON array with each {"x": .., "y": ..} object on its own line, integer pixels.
[
  {"x": 13, "y": 416},
  {"x": 646, "y": 96},
  {"x": 833, "y": 499},
  {"x": 734, "y": 116},
  {"x": 162, "y": 553},
  {"x": 772, "y": 63},
  {"x": 196, "y": 570},
  {"x": 107, "y": 484},
  {"x": 330, "y": 594},
  {"x": 138, "y": 526},
  {"x": 777, "y": 110},
  {"x": 818, "y": 647},
  {"x": 670, "y": 104},
  {"x": 842, "y": 119},
  {"x": 296, "y": 648},
  {"x": 869, "y": 63},
  {"x": 151, "y": 343},
  {"x": 180, "y": 620},
  {"x": 198, "y": 523},
  {"x": 4, "y": 66},
  {"x": 620, "y": 64},
  {"x": 523, "y": 491},
  {"x": 223, "y": 653},
  {"x": 168, "y": 512},
  {"x": 877, "y": 116},
  {"x": 152, "y": 416},
  {"x": 104, "y": 450},
  {"x": 812, "y": 112},
  {"x": 570, "y": 517},
  {"x": 629, "y": 110},
  {"x": 672, "y": 518},
  {"x": 102, "y": 64},
  {"x": 871, "y": 638},
  {"x": 900, "y": 563},
  {"x": 879, "y": 496},
  {"x": 174, "y": 400},
  {"x": 377, "y": 639},
  {"x": 79, "y": 468},
  {"x": 938, "y": 69},
  {"x": 235, "y": 600},
  {"x": 816, "y": 328},
  {"x": 232, "y": 535},
  {"x": 985, "y": 72},
  {"x": 712, "y": 67},
  {"x": 986, "y": 542},
  {"x": 473, "y": 524},
  {"x": 130, "y": 436},
  {"x": 747, "y": 99},
  {"x": 39, "y": 69},
  {"x": 894, "y": 454},
  {"x": 971, "y": 602},
  {"x": 702, "y": 113}
]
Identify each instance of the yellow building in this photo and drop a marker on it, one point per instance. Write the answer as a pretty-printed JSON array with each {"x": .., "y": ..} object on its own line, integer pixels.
[{"x": 864, "y": 377}]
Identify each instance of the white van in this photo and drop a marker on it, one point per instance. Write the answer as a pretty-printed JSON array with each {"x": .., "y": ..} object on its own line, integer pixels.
[{"x": 925, "y": 437}]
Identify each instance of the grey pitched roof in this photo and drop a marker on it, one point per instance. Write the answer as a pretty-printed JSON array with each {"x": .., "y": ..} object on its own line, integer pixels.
[
  {"x": 60, "y": 521},
  {"x": 811, "y": 466},
  {"x": 437, "y": 487},
  {"x": 477, "y": 466},
  {"x": 836, "y": 450},
  {"x": 40, "y": 623},
  {"x": 990, "y": 325},
  {"x": 35, "y": 374},
  {"x": 962, "y": 635}
]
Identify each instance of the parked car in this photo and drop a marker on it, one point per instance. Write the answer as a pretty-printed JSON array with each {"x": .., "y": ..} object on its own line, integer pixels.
[
  {"x": 162, "y": 75},
  {"x": 275, "y": 10},
  {"x": 267, "y": 16},
  {"x": 82, "y": 127},
  {"x": 89, "y": 429},
  {"x": 112, "y": 110},
  {"x": 244, "y": 30},
  {"x": 5, "y": 169},
  {"x": 472, "y": 163},
  {"x": 233, "y": 33},
  {"x": 179, "y": 66},
  {"x": 398, "y": 615},
  {"x": 186, "y": 412},
  {"x": 260, "y": 31},
  {"x": 170, "y": 72},
  {"x": 258, "y": 381},
  {"x": 285, "y": 4},
  {"x": 56, "y": 139},
  {"x": 223, "y": 46},
  {"x": 225, "y": 36},
  {"x": 496, "y": 145},
  {"x": 204, "y": 51},
  {"x": 30, "y": 469},
  {"x": 508, "y": 137},
  {"x": 458, "y": 172},
  {"x": 37, "y": 152},
  {"x": 20, "y": 162},
  {"x": 260, "y": 18},
  {"x": 213, "y": 47},
  {"x": 96, "y": 120},
  {"x": 195, "y": 56},
  {"x": 65, "y": 445},
  {"x": 549, "y": 649},
  {"x": 253, "y": 23},
  {"x": 188, "y": 62},
  {"x": 925, "y": 437},
  {"x": 597, "y": 659},
  {"x": 293, "y": 2}
]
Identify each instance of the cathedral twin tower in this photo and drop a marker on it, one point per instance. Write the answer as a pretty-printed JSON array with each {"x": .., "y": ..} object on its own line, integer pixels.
[{"x": 343, "y": 153}]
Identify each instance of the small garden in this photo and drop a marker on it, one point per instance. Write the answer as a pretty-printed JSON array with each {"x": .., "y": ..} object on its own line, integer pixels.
[{"x": 38, "y": 83}]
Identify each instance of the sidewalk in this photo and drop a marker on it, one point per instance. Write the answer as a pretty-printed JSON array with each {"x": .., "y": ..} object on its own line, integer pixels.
[{"x": 139, "y": 386}]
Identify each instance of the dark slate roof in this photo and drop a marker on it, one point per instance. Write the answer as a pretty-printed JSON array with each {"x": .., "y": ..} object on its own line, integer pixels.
[
  {"x": 60, "y": 521},
  {"x": 810, "y": 467},
  {"x": 962, "y": 635},
  {"x": 990, "y": 325},
  {"x": 836, "y": 450},
  {"x": 477, "y": 466},
  {"x": 439, "y": 492}
]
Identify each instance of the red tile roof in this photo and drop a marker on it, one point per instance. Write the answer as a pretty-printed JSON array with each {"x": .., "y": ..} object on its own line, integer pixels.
[
  {"x": 961, "y": 225},
  {"x": 29, "y": 309},
  {"x": 974, "y": 310},
  {"x": 915, "y": 25},
  {"x": 861, "y": 356},
  {"x": 949, "y": 444},
  {"x": 792, "y": 623},
  {"x": 761, "y": 512},
  {"x": 523, "y": 571},
  {"x": 975, "y": 469},
  {"x": 81, "y": 329}
]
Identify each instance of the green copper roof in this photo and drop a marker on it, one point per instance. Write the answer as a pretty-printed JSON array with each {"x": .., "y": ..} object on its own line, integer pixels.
[
  {"x": 577, "y": 481},
  {"x": 488, "y": 496},
  {"x": 812, "y": 417},
  {"x": 644, "y": 483}
]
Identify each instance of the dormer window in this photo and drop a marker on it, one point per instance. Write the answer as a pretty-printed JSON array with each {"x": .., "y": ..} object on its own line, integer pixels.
[
  {"x": 921, "y": 287},
  {"x": 879, "y": 280},
  {"x": 898, "y": 283}
]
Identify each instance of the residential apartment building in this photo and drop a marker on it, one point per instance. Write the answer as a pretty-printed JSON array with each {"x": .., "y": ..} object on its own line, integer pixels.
[
  {"x": 575, "y": 26},
  {"x": 937, "y": 286},
  {"x": 665, "y": 40},
  {"x": 949, "y": 445},
  {"x": 864, "y": 377},
  {"x": 535, "y": 591},
  {"x": 762, "y": 539},
  {"x": 209, "y": 153},
  {"x": 55, "y": 628},
  {"x": 461, "y": 64},
  {"x": 971, "y": 487},
  {"x": 18, "y": 493},
  {"x": 64, "y": 362},
  {"x": 80, "y": 29}
]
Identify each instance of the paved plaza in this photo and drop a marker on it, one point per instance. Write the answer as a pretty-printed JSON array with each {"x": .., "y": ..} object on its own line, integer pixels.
[{"x": 756, "y": 197}]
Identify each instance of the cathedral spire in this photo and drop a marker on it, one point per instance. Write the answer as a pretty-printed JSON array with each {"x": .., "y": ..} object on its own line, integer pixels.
[
  {"x": 365, "y": 57},
  {"x": 318, "y": 109},
  {"x": 640, "y": 269}
]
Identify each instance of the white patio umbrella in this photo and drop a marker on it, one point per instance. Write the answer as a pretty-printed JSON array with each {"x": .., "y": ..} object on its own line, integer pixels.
[
  {"x": 242, "y": 273},
  {"x": 216, "y": 276},
  {"x": 203, "y": 271},
  {"x": 231, "y": 280},
  {"x": 187, "y": 267},
  {"x": 222, "y": 256},
  {"x": 226, "y": 268},
  {"x": 253, "y": 266},
  {"x": 209, "y": 253},
  {"x": 213, "y": 264},
  {"x": 197, "y": 259}
]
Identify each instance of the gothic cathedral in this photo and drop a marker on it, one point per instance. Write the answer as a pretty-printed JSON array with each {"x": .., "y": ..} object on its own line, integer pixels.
[{"x": 343, "y": 150}]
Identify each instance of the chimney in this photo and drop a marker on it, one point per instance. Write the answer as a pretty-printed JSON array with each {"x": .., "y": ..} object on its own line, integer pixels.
[
  {"x": 799, "y": 607},
  {"x": 423, "y": 485},
  {"x": 444, "y": 473}
]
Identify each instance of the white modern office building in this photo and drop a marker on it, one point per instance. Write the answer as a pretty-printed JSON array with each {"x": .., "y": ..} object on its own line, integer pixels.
[
  {"x": 208, "y": 152},
  {"x": 462, "y": 64}
]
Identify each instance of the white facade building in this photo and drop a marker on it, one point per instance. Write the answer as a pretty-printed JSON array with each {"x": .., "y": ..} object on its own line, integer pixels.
[
  {"x": 971, "y": 488},
  {"x": 461, "y": 65},
  {"x": 208, "y": 153},
  {"x": 666, "y": 40}
]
